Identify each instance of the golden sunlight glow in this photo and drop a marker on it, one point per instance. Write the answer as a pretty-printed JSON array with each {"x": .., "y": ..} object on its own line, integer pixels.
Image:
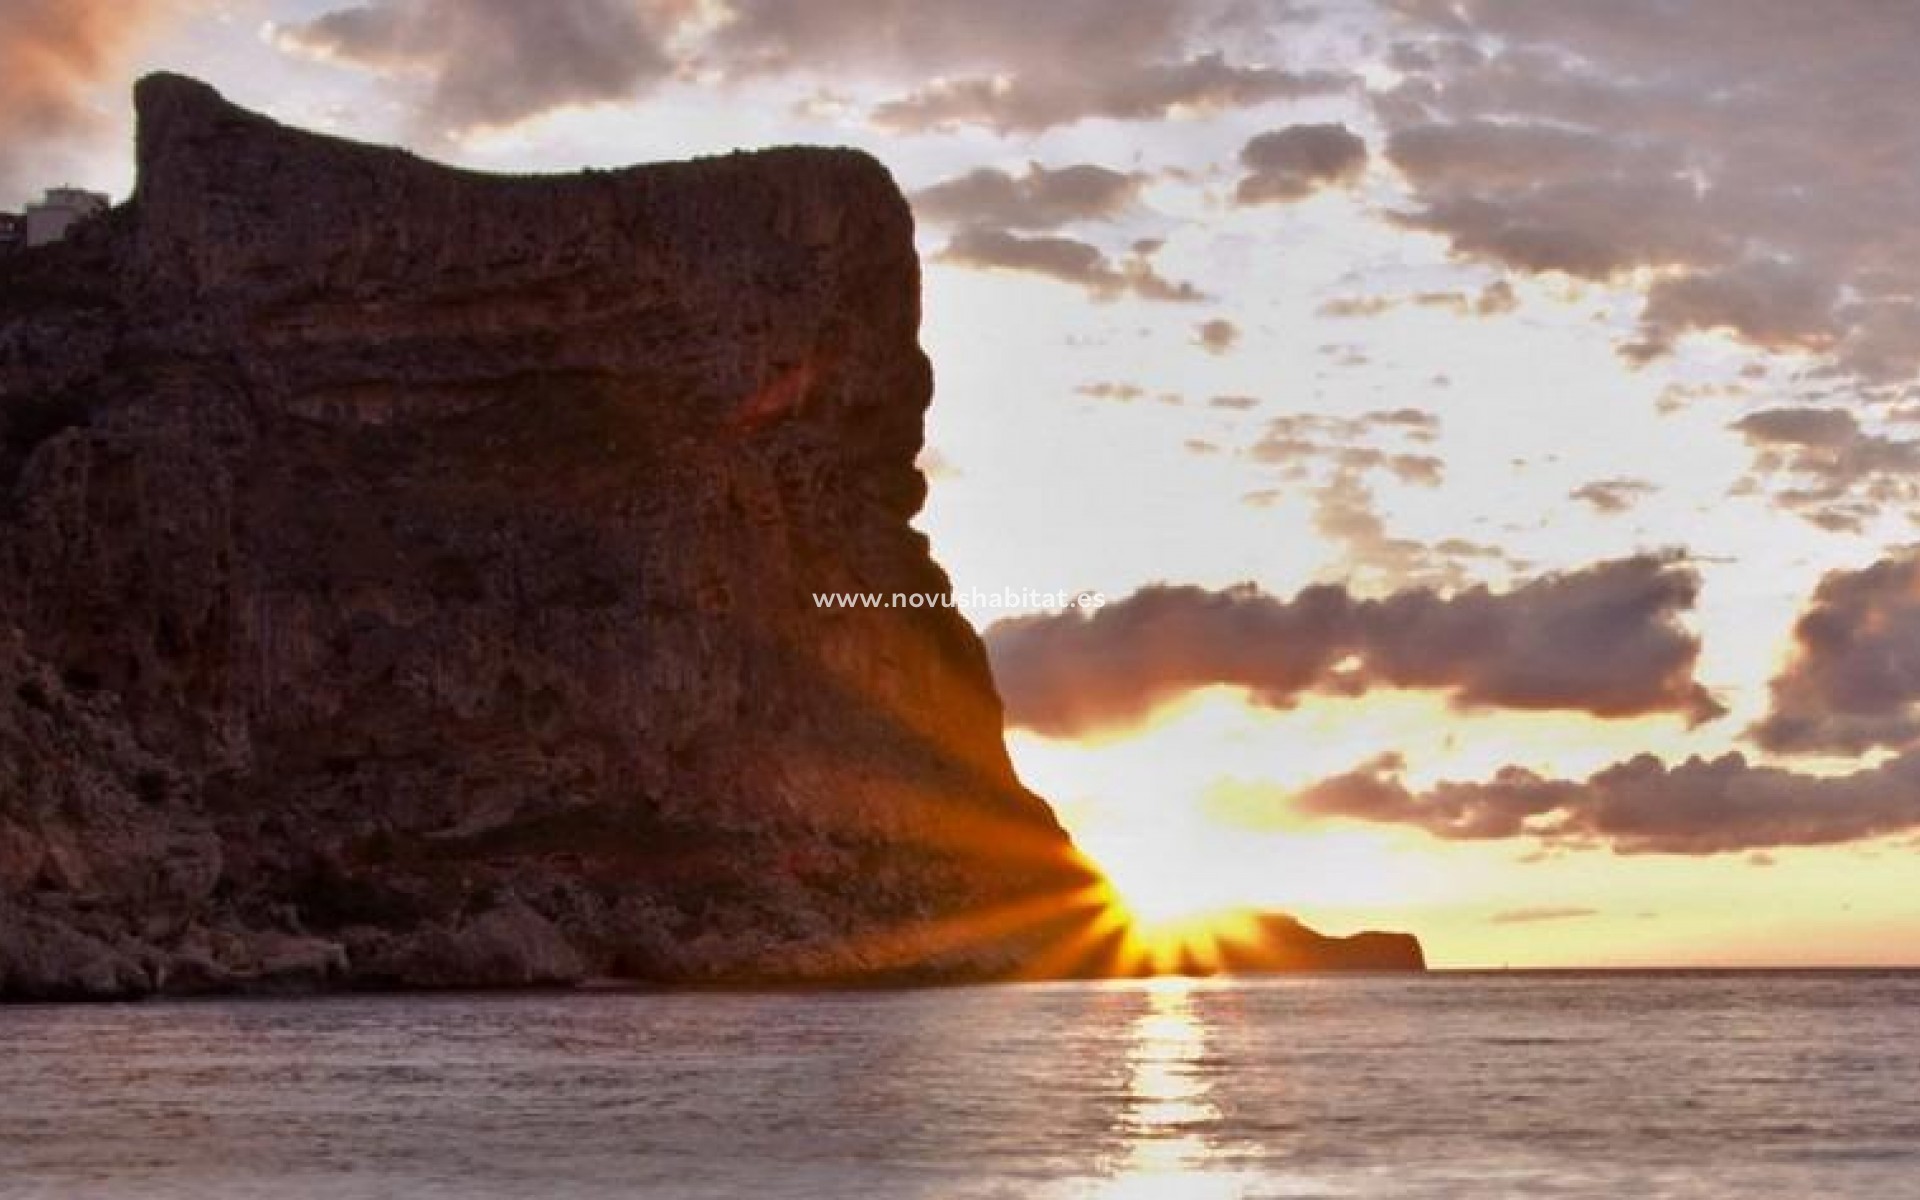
[
  {"x": 1170, "y": 1155},
  {"x": 1161, "y": 880},
  {"x": 1175, "y": 913},
  {"x": 1188, "y": 867}
]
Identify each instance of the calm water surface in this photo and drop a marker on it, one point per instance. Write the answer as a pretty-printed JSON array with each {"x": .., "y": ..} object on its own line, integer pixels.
[{"x": 1587, "y": 1085}]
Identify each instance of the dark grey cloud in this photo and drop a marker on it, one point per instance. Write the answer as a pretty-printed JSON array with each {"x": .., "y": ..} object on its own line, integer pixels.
[
  {"x": 1041, "y": 198},
  {"x": 1853, "y": 682},
  {"x": 1592, "y": 223},
  {"x": 1828, "y": 468},
  {"x": 1004, "y": 64},
  {"x": 1775, "y": 304},
  {"x": 1015, "y": 66},
  {"x": 917, "y": 38},
  {"x": 1292, "y": 163},
  {"x": 1755, "y": 158},
  {"x": 1804, "y": 428},
  {"x": 1068, "y": 260},
  {"x": 1610, "y": 497},
  {"x": 1606, "y": 640},
  {"x": 499, "y": 62},
  {"x": 1701, "y": 806}
]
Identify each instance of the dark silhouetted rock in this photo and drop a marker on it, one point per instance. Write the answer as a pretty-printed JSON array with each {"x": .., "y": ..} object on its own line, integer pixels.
[
  {"x": 510, "y": 945},
  {"x": 377, "y": 537},
  {"x": 379, "y": 540},
  {"x": 45, "y": 958},
  {"x": 1280, "y": 943}
]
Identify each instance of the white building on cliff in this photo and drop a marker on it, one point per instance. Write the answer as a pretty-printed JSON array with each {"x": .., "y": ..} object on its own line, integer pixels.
[{"x": 49, "y": 218}]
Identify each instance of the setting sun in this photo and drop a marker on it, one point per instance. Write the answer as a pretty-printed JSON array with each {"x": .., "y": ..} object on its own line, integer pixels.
[{"x": 1121, "y": 599}]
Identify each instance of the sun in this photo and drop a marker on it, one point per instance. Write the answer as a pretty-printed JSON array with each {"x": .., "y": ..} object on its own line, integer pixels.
[
  {"x": 1177, "y": 915},
  {"x": 1157, "y": 885}
]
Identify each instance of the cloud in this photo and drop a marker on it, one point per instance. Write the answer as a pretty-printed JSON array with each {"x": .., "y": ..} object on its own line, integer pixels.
[
  {"x": 1539, "y": 198},
  {"x": 1346, "y": 512},
  {"x": 1853, "y": 682},
  {"x": 1828, "y": 467},
  {"x": 1349, "y": 442},
  {"x": 1421, "y": 470},
  {"x": 1217, "y": 336},
  {"x": 1806, "y": 428},
  {"x": 1748, "y": 163},
  {"x": 1136, "y": 92},
  {"x": 1610, "y": 497},
  {"x": 1416, "y": 423},
  {"x": 1336, "y": 456},
  {"x": 1014, "y": 66},
  {"x": 1835, "y": 473},
  {"x": 1701, "y": 806},
  {"x": 1008, "y": 65},
  {"x": 1769, "y": 303},
  {"x": 1495, "y": 299},
  {"x": 1042, "y": 198},
  {"x": 492, "y": 63},
  {"x": 913, "y": 38},
  {"x": 1292, "y": 163},
  {"x": 1068, "y": 260},
  {"x": 1530, "y": 916},
  {"x": 1358, "y": 306},
  {"x": 1605, "y": 640},
  {"x": 51, "y": 53},
  {"x": 1124, "y": 393}
]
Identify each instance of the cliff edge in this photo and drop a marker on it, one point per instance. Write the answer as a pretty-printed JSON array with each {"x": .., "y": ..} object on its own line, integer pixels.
[{"x": 406, "y": 580}]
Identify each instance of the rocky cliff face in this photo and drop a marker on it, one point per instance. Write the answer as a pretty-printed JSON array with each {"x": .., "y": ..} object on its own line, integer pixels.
[
  {"x": 406, "y": 575},
  {"x": 405, "y": 578}
]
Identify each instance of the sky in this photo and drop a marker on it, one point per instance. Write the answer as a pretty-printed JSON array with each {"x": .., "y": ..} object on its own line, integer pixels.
[{"x": 1493, "y": 424}]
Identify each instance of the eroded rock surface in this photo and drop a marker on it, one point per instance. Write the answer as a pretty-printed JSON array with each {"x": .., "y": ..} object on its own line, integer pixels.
[{"x": 405, "y": 579}]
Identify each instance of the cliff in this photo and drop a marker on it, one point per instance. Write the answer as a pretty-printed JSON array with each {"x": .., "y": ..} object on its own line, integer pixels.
[{"x": 405, "y": 580}]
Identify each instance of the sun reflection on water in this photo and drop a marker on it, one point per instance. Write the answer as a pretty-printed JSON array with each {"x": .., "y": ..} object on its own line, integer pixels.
[{"x": 1169, "y": 1118}]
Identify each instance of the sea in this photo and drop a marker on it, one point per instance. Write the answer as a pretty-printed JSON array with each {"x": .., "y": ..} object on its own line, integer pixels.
[{"x": 1618, "y": 1085}]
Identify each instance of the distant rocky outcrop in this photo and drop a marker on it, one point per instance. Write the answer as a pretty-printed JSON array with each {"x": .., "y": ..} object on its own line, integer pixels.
[
  {"x": 405, "y": 581},
  {"x": 1281, "y": 943}
]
